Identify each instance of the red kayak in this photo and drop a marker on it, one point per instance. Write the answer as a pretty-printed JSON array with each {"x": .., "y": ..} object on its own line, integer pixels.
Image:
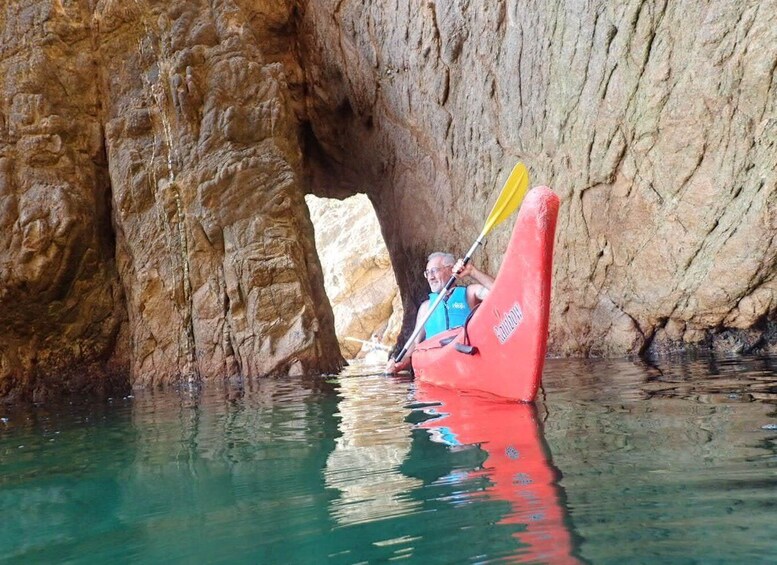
[
  {"x": 501, "y": 349},
  {"x": 518, "y": 467}
]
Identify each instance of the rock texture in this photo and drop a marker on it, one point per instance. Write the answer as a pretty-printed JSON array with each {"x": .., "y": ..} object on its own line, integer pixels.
[
  {"x": 656, "y": 122},
  {"x": 154, "y": 157},
  {"x": 61, "y": 303},
  {"x": 358, "y": 275},
  {"x": 151, "y": 183},
  {"x": 213, "y": 242}
]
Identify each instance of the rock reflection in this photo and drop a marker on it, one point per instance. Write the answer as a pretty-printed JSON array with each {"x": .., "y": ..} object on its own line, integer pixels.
[
  {"x": 55, "y": 483},
  {"x": 714, "y": 380},
  {"x": 676, "y": 451},
  {"x": 376, "y": 439},
  {"x": 681, "y": 414},
  {"x": 238, "y": 462}
]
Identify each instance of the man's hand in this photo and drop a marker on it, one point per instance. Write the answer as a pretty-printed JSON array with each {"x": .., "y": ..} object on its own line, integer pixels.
[
  {"x": 392, "y": 367},
  {"x": 462, "y": 270},
  {"x": 478, "y": 291}
]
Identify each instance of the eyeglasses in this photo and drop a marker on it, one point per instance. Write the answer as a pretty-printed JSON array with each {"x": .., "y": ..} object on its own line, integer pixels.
[{"x": 434, "y": 270}]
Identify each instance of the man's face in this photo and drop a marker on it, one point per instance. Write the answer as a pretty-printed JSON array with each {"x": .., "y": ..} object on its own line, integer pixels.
[{"x": 437, "y": 274}]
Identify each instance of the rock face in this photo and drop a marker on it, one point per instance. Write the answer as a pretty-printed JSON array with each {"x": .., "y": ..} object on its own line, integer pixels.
[
  {"x": 154, "y": 157},
  {"x": 61, "y": 302},
  {"x": 655, "y": 122},
  {"x": 151, "y": 183},
  {"x": 213, "y": 244},
  {"x": 358, "y": 275}
]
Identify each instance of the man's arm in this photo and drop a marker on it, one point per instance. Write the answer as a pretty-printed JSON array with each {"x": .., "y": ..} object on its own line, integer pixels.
[
  {"x": 392, "y": 366},
  {"x": 477, "y": 292}
]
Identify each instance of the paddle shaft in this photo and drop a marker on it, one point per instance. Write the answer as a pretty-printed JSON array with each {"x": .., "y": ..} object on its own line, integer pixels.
[{"x": 442, "y": 296}]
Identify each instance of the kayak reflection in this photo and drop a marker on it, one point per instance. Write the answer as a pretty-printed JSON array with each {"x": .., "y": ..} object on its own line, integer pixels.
[{"x": 518, "y": 467}]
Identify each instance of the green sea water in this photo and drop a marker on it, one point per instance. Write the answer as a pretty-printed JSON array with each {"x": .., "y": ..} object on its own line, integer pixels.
[{"x": 617, "y": 462}]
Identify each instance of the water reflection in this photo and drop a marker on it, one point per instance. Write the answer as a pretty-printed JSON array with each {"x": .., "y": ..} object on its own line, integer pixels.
[
  {"x": 235, "y": 466},
  {"x": 517, "y": 465},
  {"x": 705, "y": 379},
  {"x": 713, "y": 379},
  {"x": 677, "y": 458},
  {"x": 662, "y": 463},
  {"x": 423, "y": 473},
  {"x": 376, "y": 439},
  {"x": 168, "y": 476},
  {"x": 55, "y": 483}
]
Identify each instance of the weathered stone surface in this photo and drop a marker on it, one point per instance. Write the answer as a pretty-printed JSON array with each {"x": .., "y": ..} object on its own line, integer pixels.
[
  {"x": 168, "y": 125},
  {"x": 61, "y": 302},
  {"x": 153, "y": 158},
  {"x": 214, "y": 245},
  {"x": 656, "y": 123},
  {"x": 358, "y": 275}
]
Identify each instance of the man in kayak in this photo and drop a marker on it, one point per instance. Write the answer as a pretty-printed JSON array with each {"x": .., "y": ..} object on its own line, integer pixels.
[{"x": 453, "y": 312}]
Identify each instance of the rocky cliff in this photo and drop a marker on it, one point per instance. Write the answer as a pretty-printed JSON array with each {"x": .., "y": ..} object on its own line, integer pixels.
[
  {"x": 656, "y": 122},
  {"x": 154, "y": 158},
  {"x": 152, "y": 197}
]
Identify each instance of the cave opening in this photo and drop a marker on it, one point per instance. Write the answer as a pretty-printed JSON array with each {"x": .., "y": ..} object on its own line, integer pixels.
[{"x": 358, "y": 276}]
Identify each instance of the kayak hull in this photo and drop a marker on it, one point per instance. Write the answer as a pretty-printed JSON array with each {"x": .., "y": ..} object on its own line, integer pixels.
[{"x": 508, "y": 332}]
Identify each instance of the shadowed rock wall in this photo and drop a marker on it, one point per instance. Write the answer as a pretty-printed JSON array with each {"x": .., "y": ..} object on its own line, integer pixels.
[
  {"x": 655, "y": 122},
  {"x": 170, "y": 127},
  {"x": 61, "y": 304}
]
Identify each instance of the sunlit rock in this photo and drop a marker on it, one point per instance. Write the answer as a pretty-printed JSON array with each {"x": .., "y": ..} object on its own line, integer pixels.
[{"x": 358, "y": 276}]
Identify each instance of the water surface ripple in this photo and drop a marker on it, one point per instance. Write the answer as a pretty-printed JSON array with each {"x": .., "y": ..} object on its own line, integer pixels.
[{"x": 616, "y": 462}]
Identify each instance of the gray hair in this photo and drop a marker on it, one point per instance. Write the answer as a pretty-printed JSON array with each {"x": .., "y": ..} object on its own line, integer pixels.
[{"x": 447, "y": 258}]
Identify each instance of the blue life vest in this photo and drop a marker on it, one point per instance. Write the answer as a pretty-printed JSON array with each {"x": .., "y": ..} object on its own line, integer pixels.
[{"x": 450, "y": 314}]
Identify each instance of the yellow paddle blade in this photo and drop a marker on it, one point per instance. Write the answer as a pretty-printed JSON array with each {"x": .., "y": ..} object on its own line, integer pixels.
[{"x": 515, "y": 188}]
